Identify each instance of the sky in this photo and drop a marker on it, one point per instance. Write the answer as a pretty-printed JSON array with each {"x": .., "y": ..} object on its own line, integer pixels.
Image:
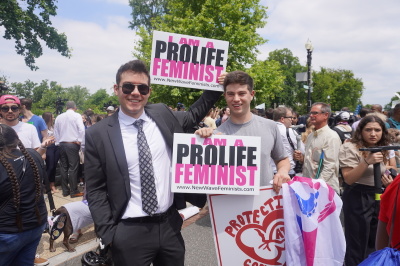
[{"x": 359, "y": 35}]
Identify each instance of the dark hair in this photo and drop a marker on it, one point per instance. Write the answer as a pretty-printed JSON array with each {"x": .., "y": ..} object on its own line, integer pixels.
[
  {"x": 27, "y": 102},
  {"x": 48, "y": 118},
  {"x": 359, "y": 141},
  {"x": 136, "y": 66},
  {"x": 9, "y": 140},
  {"x": 238, "y": 77},
  {"x": 364, "y": 112}
]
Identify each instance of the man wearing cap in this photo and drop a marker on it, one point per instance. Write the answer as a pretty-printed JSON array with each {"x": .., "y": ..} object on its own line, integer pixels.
[
  {"x": 110, "y": 110},
  {"x": 10, "y": 107},
  {"x": 342, "y": 127}
]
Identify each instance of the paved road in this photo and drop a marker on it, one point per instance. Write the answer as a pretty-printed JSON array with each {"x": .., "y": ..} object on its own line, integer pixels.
[{"x": 200, "y": 248}]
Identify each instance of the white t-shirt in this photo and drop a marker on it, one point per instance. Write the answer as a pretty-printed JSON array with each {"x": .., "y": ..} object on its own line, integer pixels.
[{"x": 28, "y": 135}]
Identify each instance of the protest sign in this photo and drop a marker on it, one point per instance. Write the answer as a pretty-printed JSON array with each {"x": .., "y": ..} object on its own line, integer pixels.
[
  {"x": 219, "y": 164},
  {"x": 187, "y": 61},
  {"x": 248, "y": 230}
]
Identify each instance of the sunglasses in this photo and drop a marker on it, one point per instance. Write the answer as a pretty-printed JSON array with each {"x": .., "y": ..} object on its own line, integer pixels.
[
  {"x": 7, "y": 108},
  {"x": 128, "y": 88}
]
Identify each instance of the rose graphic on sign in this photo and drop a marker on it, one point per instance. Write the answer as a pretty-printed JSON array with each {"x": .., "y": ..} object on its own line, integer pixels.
[{"x": 266, "y": 242}]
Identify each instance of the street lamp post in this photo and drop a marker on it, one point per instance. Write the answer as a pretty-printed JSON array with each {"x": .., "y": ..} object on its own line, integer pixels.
[{"x": 310, "y": 49}]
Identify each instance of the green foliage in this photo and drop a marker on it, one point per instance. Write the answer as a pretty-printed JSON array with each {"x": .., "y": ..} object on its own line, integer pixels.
[
  {"x": 97, "y": 101},
  {"x": 23, "y": 90},
  {"x": 235, "y": 21},
  {"x": 341, "y": 85},
  {"x": 268, "y": 81},
  {"x": 293, "y": 94},
  {"x": 27, "y": 24},
  {"x": 144, "y": 11}
]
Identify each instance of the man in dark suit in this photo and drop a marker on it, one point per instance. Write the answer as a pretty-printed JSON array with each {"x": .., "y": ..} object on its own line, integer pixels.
[{"x": 118, "y": 198}]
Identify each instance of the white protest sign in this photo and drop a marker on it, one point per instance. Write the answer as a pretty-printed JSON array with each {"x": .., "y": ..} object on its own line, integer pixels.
[
  {"x": 248, "y": 230},
  {"x": 187, "y": 61},
  {"x": 219, "y": 164}
]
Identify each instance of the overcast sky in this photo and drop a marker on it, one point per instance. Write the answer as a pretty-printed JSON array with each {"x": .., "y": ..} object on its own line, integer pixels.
[{"x": 361, "y": 36}]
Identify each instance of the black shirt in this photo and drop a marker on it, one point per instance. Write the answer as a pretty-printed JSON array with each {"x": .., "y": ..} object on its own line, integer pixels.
[{"x": 26, "y": 180}]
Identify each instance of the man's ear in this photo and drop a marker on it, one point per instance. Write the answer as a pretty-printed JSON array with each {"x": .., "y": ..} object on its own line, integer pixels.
[{"x": 116, "y": 87}]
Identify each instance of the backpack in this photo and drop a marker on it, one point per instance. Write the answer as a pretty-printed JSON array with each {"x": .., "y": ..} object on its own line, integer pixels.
[{"x": 343, "y": 135}]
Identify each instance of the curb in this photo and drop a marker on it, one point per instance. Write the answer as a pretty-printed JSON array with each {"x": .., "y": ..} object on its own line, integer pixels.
[{"x": 73, "y": 258}]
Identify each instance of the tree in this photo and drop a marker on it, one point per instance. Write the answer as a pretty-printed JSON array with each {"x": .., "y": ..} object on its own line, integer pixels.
[
  {"x": 292, "y": 94},
  {"x": 341, "y": 85},
  {"x": 28, "y": 25},
  {"x": 97, "y": 100},
  {"x": 268, "y": 81},
  {"x": 77, "y": 94},
  {"x": 23, "y": 90},
  {"x": 143, "y": 12},
  {"x": 235, "y": 21}
]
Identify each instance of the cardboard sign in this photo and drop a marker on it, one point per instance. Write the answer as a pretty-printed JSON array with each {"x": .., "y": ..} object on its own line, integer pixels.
[
  {"x": 187, "y": 61},
  {"x": 220, "y": 164},
  {"x": 248, "y": 230}
]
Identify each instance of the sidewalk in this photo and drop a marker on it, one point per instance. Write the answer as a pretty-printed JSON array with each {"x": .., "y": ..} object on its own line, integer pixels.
[{"x": 196, "y": 232}]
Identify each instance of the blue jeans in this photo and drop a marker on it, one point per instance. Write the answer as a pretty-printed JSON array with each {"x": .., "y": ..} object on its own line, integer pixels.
[{"x": 20, "y": 248}]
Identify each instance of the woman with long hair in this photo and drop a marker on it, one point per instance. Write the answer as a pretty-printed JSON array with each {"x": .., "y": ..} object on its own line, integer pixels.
[
  {"x": 52, "y": 152},
  {"x": 23, "y": 211},
  {"x": 359, "y": 205}
]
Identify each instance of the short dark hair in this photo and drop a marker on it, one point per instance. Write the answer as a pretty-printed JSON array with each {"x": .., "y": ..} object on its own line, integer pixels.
[
  {"x": 136, "y": 66},
  {"x": 27, "y": 102},
  {"x": 238, "y": 77}
]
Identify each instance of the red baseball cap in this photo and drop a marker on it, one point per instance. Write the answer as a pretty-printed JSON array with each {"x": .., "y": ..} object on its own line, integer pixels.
[{"x": 9, "y": 99}]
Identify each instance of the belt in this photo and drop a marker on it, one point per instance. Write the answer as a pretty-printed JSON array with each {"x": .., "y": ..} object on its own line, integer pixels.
[
  {"x": 72, "y": 142},
  {"x": 156, "y": 218}
]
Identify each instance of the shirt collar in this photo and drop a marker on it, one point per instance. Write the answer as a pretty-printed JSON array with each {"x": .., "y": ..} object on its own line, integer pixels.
[
  {"x": 128, "y": 120},
  {"x": 319, "y": 131}
]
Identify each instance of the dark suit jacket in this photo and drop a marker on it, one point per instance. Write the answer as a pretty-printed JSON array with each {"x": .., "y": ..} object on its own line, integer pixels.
[{"x": 106, "y": 170}]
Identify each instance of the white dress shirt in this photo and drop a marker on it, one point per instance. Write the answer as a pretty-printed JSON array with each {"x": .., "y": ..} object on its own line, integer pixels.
[
  {"x": 161, "y": 156},
  {"x": 69, "y": 127},
  {"x": 288, "y": 148}
]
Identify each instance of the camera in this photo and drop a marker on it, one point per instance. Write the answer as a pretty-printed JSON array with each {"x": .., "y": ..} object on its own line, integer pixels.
[
  {"x": 60, "y": 105},
  {"x": 180, "y": 106},
  {"x": 3, "y": 87}
]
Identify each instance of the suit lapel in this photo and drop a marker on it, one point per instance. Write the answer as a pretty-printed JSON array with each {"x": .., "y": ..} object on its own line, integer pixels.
[
  {"x": 115, "y": 136},
  {"x": 166, "y": 130}
]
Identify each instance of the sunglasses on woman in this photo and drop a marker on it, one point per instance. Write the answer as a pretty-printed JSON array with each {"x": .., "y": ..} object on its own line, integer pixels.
[
  {"x": 128, "y": 88},
  {"x": 6, "y": 108}
]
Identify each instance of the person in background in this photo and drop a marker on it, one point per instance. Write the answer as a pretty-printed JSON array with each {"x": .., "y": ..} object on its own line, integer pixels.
[
  {"x": 110, "y": 110},
  {"x": 360, "y": 208},
  {"x": 283, "y": 118},
  {"x": 52, "y": 152},
  {"x": 390, "y": 202},
  {"x": 363, "y": 113},
  {"x": 22, "y": 208},
  {"x": 223, "y": 116},
  {"x": 29, "y": 117},
  {"x": 321, "y": 159},
  {"x": 69, "y": 132},
  {"x": 10, "y": 107},
  {"x": 394, "y": 120},
  {"x": 209, "y": 121}
]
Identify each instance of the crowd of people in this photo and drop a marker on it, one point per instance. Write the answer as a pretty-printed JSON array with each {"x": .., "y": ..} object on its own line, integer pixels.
[{"x": 127, "y": 151}]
